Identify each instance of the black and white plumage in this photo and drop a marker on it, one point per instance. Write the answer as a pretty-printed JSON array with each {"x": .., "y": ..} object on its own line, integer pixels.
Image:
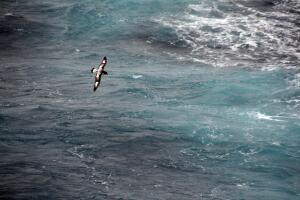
[{"x": 98, "y": 72}]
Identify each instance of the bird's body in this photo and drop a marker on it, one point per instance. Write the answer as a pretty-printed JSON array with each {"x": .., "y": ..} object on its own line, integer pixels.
[{"x": 99, "y": 73}]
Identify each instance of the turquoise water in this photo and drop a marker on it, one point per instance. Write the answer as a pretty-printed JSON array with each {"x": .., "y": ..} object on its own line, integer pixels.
[{"x": 201, "y": 101}]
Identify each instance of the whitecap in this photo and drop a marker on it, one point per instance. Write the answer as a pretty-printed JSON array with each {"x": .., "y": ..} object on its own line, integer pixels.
[
  {"x": 276, "y": 143},
  {"x": 269, "y": 68},
  {"x": 20, "y": 29},
  {"x": 137, "y": 76},
  {"x": 262, "y": 116},
  {"x": 8, "y": 14}
]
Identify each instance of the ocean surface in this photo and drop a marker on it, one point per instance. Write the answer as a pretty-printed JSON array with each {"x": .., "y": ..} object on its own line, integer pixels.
[{"x": 201, "y": 101}]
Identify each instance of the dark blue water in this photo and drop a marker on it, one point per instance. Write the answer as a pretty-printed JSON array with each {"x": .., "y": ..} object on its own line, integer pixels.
[{"x": 202, "y": 100}]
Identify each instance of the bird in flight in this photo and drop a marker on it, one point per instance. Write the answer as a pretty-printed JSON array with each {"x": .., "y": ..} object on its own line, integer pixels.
[{"x": 98, "y": 72}]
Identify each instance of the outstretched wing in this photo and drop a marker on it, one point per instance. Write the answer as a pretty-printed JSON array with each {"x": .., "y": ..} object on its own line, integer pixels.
[
  {"x": 97, "y": 82},
  {"x": 103, "y": 63}
]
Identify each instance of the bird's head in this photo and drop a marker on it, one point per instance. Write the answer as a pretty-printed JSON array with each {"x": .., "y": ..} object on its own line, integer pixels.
[{"x": 92, "y": 70}]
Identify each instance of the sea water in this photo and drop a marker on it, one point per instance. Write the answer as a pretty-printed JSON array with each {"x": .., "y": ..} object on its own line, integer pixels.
[{"x": 201, "y": 100}]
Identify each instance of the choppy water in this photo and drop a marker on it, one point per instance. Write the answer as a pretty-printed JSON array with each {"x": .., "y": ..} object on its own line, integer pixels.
[{"x": 202, "y": 100}]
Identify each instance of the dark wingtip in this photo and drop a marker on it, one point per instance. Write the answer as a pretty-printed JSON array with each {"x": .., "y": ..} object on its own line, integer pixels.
[
  {"x": 92, "y": 69},
  {"x": 104, "y": 58}
]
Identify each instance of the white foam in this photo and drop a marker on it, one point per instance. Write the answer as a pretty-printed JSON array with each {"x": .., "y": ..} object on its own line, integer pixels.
[
  {"x": 8, "y": 14},
  {"x": 269, "y": 68},
  {"x": 293, "y": 101},
  {"x": 136, "y": 76},
  {"x": 276, "y": 143},
  {"x": 262, "y": 116},
  {"x": 242, "y": 185}
]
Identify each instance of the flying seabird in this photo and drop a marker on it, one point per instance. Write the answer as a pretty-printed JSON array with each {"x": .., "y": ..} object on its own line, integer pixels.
[{"x": 99, "y": 72}]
